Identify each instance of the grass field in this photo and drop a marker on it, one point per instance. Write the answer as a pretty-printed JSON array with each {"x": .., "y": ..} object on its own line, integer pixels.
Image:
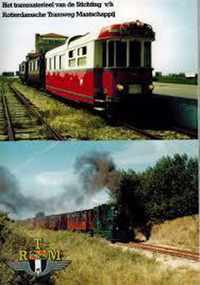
[{"x": 94, "y": 261}]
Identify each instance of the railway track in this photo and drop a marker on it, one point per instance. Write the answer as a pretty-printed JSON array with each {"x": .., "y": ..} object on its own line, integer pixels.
[
  {"x": 190, "y": 133},
  {"x": 155, "y": 134},
  {"x": 146, "y": 134},
  {"x": 20, "y": 119},
  {"x": 161, "y": 134},
  {"x": 166, "y": 250}
]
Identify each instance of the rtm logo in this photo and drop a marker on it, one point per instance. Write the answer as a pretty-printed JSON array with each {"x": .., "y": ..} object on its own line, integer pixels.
[
  {"x": 40, "y": 251},
  {"x": 39, "y": 261}
]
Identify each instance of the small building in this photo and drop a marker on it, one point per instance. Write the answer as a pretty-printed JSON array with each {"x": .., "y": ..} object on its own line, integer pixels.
[
  {"x": 46, "y": 42},
  {"x": 190, "y": 75},
  {"x": 8, "y": 73}
]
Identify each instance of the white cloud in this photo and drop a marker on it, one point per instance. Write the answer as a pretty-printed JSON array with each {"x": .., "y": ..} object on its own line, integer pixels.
[
  {"x": 51, "y": 178},
  {"x": 139, "y": 155},
  {"x": 50, "y": 183}
]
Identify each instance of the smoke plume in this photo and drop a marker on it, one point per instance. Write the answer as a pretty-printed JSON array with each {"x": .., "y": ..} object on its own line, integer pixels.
[
  {"x": 95, "y": 172},
  {"x": 11, "y": 198}
]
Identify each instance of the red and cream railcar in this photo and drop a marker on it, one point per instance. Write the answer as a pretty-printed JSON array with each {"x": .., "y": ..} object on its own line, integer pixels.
[{"x": 102, "y": 68}]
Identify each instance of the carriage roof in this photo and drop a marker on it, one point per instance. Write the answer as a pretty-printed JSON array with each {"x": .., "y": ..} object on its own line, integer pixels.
[{"x": 137, "y": 28}]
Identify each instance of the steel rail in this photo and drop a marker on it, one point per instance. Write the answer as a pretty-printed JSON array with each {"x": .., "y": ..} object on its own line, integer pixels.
[
  {"x": 33, "y": 109},
  {"x": 192, "y": 134},
  {"x": 10, "y": 129},
  {"x": 141, "y": 131},
  {"x": 166, "y": 250}
]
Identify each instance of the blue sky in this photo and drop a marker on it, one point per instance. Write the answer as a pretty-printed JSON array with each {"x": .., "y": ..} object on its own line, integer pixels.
[
  {"x": 32, "y": 158},
  {"x": 44, "y": 169},
  {"x": 174, "y": 21}
]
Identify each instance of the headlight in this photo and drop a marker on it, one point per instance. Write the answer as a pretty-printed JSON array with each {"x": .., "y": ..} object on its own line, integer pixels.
[
  {"x": 105, "y": 91},
  {"x": 151, "y": 87},
  {"x": 120, "y": 87}
]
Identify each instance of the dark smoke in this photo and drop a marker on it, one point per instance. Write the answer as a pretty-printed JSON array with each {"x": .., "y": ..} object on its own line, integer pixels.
[{"x": 95, "y": 172}]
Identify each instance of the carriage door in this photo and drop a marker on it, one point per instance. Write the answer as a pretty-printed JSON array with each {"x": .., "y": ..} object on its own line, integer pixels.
[{"x": 98, "y": 70}]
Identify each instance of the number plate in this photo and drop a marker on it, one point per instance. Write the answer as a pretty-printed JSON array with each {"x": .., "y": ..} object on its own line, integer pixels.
[{"x": 135, "y": 89}]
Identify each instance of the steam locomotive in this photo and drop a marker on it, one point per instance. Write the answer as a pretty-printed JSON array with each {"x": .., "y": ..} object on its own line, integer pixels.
[
  {"x": 107, "y": 220},
  {"x": 100, "y": 69}
]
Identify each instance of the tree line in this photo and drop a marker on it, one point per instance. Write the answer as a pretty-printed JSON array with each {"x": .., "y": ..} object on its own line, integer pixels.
[{"x": 165, "y": 191}]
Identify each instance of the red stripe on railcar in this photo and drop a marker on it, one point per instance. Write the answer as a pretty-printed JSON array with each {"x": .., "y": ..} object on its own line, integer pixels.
[
  {"x": 82, "y": 86},
  {"x": 74, "y": 85}
]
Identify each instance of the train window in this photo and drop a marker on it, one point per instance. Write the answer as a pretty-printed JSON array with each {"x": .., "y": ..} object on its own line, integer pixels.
[
  {"x": 111, "y": 53},
  {"x": 82, "y": 61},
  {"x": 147, "y": 54},
  {"x": 72, "y": 62},
  {"x": 121, "y": 53},
  {"x": 84, "y": 50},
  {"x": 54, "y": 61},
  {"x": 104, "y": 54},
  {"x": 49, "y": 63},
  {"x": 60, "y": 62},
  {"x": 71, "y": 53},
  {"x": 81, "y": 53},
  {"x": 72, "y": 59},
  {"x": 135, "y": 54}
]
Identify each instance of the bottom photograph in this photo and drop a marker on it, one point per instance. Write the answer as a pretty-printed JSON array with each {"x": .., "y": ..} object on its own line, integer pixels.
[{"x": 103, "y": 213}]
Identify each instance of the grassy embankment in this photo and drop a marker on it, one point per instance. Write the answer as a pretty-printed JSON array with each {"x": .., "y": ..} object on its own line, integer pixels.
[
  {"x": 95, "y": 262},
  {"x": 68, "y": 120},
  {"x": 182, "y": 233}
]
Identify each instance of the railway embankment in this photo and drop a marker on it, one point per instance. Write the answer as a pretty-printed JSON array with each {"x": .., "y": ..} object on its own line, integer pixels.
[
  {"x": 78, "y": 122},
  {"x": 94, "y": 261}
]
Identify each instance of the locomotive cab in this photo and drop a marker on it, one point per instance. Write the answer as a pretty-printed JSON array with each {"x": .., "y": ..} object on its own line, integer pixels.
[
  {"x": 112, "y": 223},
  {"x": 123, "y": 52}
]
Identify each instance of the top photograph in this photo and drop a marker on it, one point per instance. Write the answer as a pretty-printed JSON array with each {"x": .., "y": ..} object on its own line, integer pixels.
[{"x": 99, "y": 70}]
